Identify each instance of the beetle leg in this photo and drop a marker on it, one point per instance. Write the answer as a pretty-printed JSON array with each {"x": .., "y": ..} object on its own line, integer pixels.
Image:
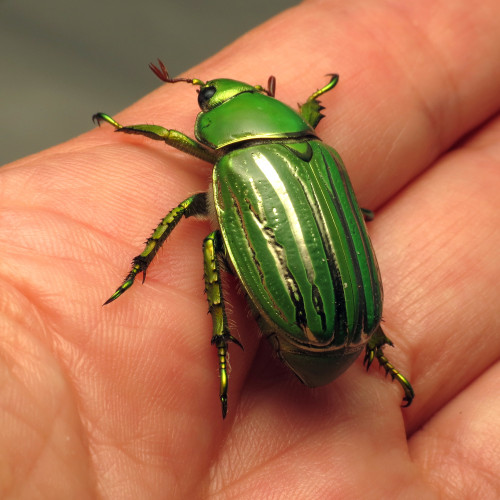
[
  {"x": 212, "y": 248},
  {"x": 171, "y": 137},
  {"x": 368, "y": 215},
  {"x": 194, "y": 205},
  {"x": 374, "y": 349},
  {"x": 311, "y": 109}
]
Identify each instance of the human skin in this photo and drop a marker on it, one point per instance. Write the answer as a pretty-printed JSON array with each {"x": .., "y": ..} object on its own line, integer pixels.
[{"x": 122, "y": 401}]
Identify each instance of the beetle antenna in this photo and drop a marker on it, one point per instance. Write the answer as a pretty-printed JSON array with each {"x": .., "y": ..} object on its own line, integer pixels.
[
  {"x": 271, "y": 84},
  {"x": 161, "y": 72},
  {"x": 271, "y": 87}
]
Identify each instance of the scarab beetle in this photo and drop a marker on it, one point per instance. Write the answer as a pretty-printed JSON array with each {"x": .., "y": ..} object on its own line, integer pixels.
[{"x": 288, "y": 226}]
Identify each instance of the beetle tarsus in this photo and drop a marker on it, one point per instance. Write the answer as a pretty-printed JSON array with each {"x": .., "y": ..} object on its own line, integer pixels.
[
  {"x": 221, "y": 344},
  {"x": 98, "y": 118},
  {"x": 223, "y": 400},
  {"x": 374, "y": 349},
  {"x": 127, "y": 283},
  {"x": 230, "y": 338}
]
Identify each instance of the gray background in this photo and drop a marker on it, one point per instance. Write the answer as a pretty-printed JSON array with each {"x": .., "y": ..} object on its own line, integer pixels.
[{"x": 63, "y": 60}]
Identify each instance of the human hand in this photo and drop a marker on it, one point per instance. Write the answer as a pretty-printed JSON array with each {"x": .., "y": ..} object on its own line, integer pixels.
[{"x": 121, "y": 401}]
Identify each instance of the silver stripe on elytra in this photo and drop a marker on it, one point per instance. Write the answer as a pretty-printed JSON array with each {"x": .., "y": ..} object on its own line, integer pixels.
[
  {"x": 244, "y": 228},
  {"x": 267, "y": 168}
]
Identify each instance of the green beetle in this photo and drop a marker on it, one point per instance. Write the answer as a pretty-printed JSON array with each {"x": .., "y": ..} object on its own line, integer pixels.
[{"x": 288, "y": 225}]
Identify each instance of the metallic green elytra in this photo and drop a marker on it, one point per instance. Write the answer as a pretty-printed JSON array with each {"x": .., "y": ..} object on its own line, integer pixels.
[{"x": 288, "y": 225}]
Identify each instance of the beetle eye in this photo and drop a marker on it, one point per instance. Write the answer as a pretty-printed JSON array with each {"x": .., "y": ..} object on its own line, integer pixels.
[{"x": 204, "y": 97}]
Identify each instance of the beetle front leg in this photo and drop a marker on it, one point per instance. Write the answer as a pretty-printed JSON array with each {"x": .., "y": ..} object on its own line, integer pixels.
[
  {"x": 194, "y": 205},
  {"x": 374, "y": 349},
  {"x": 213, "y": 247},
  {"x": 171, "y": 137}
]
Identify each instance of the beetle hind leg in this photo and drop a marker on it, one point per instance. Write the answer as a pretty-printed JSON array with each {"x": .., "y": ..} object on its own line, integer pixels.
[
  {"x": 374, "y": 349},
  {"x": 212, "y": 248}
]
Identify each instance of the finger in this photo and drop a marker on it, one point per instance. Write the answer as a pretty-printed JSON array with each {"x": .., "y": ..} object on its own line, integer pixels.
[
  {"x": 457, "y": 450},
  {"x": 390, "y": 119},
  {"x": 438, "y": 244},
  {"x": 409, "y": 88}
]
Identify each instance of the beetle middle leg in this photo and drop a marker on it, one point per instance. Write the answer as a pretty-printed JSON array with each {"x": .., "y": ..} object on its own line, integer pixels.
[
  {"x": 213, "y": 249},
  {"x": 374, "y": 349},
  {"x": 194, "y": 205}
]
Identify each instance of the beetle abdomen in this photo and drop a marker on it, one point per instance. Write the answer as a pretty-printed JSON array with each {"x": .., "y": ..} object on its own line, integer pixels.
[{"x": 297, "y": 240}]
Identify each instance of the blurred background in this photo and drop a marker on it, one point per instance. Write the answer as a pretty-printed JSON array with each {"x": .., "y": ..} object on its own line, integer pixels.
[{"x": 63, "y": 60}]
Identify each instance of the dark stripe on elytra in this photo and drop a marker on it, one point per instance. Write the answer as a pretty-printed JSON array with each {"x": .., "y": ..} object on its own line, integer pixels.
[
  {"x": 238, "y": 211},
  {"x": 366, "y": 245},
  {"x": 291, "y": 283},
  {"x": 316, "y": 298},
  {"x": 318, "y": 305},
  {"x": 345, "y": 228},
  {"x": 340, "y": 324},
  {"x": 328, "y": 250}
]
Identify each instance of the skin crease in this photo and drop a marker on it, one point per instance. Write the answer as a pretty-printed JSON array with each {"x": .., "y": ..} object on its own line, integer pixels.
[{"x": 121, "y": 402}]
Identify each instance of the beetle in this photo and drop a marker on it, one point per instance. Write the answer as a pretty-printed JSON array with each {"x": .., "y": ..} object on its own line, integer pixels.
[{"x": 287, "y": 225}]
